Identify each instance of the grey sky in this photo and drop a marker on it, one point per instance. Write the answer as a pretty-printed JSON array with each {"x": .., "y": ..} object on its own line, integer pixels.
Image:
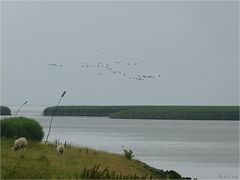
[{"x": 193, "y": 45}]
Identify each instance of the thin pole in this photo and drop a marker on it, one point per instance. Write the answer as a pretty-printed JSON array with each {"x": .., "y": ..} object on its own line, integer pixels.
[
  {"x": 50, "y": 125},
  {"x": 20, "y": 108}
]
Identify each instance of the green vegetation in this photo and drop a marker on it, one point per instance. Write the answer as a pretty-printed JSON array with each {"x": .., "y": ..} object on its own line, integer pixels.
[
  {"x": 128, "y": 154},
  {"x": 83, "y": 110},
  {"x": 149, "y": 112},
  {"x": 5, "y": 110},
  {"x": 96, "y": 173},
  {"x": 21, "y": 127},
  {"x": 181, "y": 112},
  {"x": 40, "y": 161}
]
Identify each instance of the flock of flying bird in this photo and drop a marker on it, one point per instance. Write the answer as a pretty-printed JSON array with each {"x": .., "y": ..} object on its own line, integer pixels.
[{"x": 114, "y": 69}]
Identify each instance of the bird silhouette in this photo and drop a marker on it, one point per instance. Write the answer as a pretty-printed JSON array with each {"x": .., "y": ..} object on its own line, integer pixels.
[
  {"x": 117, "y": 68},
  {"x": 55, "y": 65}
]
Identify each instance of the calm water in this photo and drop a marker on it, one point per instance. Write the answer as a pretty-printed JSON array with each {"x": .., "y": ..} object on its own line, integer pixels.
[{"x": 202, "y": 149}]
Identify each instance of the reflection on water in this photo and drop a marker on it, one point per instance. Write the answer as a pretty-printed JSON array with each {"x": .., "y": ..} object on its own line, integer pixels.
[{"x": 203, "y": 149}]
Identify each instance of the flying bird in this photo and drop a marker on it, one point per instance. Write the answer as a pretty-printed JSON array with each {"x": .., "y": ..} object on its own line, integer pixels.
[
  {"x": 55, "y": 65},
  {"x": 114, "y": 68}
]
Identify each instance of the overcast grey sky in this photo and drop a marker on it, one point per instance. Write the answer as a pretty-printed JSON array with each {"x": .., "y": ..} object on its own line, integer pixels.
[{"x": 192, "y": 45}]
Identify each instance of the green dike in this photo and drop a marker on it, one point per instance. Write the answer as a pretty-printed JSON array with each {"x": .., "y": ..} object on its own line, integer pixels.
[
  {"x": 4, "y": 110},
  {"x": 149, "y": 112},
  {"x": 40, "y": 161},
  {"x": 83, "y": 110},
  {"x": 181, "y": 112}
]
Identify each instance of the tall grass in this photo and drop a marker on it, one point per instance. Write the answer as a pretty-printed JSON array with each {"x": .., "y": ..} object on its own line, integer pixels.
[{"x": 96, "y": 173}]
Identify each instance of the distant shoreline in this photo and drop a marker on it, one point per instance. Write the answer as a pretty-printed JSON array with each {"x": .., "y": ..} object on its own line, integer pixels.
[{"x": 149, "y": 112}]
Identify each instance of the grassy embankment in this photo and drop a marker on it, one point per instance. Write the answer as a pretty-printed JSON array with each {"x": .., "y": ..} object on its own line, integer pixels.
[
  {"x": 5, "y": 110},
  {"x": 150, "y": 112},
  {"x": 40, "y": 161}
]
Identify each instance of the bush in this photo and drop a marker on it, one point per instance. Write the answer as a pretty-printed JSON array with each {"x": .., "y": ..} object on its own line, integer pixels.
[
  {"x": 21, "y": 127},
  {"x": 128, "y": 154},
  {"x": 5, "y": 110},
  {"x": 173, "y": 175}
]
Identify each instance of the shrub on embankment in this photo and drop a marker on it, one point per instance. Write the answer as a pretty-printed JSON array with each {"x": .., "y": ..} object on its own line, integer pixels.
[
  {"x": 149, "y": 112},
  {"x": 21, "y": 127},
  {"x": 4, "y": 110}
]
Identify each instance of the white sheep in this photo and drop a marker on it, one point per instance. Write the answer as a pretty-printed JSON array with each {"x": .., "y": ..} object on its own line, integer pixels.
[
  {"x": 60, "y": 149},
  {"x": 20, "y": 143}
]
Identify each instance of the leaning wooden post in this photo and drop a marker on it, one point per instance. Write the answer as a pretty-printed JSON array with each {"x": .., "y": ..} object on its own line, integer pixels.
[{"x": 50, "y": 125}]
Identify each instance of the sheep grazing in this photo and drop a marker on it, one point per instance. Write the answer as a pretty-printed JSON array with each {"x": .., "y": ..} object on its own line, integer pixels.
[
  {"x": 20, "y": 143},
  {"x": 60, "y": 149}
]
